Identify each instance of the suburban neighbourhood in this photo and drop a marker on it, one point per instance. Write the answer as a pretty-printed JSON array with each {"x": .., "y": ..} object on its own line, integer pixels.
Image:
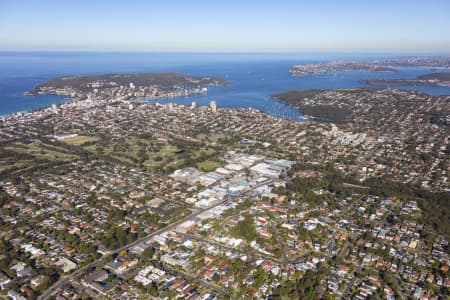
[{"x": 118, "y": 199}]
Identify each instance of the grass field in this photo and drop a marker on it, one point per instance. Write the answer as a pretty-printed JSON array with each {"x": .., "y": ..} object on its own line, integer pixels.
[
  {"x": 39, "y": 151},
  {"x": 209, "y": 165},
  {"x": 25, "y": 155},
  {"x": 154, "y": 155},
  {"x": 6, "y": 165},
  {"x": 79, "y": 140}
]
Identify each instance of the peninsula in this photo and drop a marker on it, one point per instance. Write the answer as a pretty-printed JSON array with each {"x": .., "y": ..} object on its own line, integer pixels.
[
  {"x": 432, "y": 79},
  {"x": 368, "y": 109},
  {"x": 126, "y": 86}
]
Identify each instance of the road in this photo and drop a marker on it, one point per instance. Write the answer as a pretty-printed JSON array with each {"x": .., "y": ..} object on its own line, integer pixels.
[
  {"x": 284, "y": 248},
  {"x": 350, "y": 284},
  {"x": 398, "y": 281},
  {"x": 68, "y": 278}
]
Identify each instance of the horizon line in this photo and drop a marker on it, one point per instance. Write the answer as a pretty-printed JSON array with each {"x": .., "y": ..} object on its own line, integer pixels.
[{"x": 236, "y": 51}]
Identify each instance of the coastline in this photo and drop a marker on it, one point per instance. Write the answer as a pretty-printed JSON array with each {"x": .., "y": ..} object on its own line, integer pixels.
[{"x": 246, "y": 88}]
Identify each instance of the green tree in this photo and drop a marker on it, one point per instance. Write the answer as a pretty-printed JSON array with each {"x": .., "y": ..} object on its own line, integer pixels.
[{"x": 148, "y": 253}]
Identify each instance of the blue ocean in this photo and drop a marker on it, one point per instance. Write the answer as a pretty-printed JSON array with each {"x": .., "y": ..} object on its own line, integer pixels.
[{"x": 253, "y": 76}]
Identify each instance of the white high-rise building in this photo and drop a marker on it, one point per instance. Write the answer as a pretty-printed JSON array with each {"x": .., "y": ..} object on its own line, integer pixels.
[{"x": 213, "y": 106}]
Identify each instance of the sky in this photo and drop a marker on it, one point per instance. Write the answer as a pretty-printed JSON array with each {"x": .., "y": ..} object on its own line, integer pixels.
[{"x": 230, "y": 25}]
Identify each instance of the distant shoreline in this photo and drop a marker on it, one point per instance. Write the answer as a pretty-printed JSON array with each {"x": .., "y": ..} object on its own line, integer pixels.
[
  {"x": 371, "y": 66},
  {"x": 432, "y": 79}
]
